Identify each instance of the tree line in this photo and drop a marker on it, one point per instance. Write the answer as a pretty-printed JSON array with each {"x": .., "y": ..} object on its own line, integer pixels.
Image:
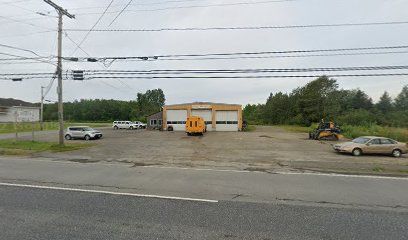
[
  {"x": 322, "y": 99},
  {"x": 99, "y": 110}
]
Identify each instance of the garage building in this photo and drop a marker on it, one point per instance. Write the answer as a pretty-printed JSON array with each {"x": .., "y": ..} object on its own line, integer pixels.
[{"x": 217, "y": 116}]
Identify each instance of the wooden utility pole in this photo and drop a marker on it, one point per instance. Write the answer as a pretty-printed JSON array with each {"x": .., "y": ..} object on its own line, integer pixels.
[
  {"x": 42, "y": 109},
  {"x": 61, "y": 12}
]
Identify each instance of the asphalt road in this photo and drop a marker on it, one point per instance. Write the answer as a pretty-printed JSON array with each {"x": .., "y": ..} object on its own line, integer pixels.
[
  {"x": 27, "y": 213},
  {"x": 48, "y": 199}
]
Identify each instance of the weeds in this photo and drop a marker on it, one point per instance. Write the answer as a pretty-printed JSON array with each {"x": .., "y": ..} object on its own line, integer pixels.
[
  {"x": 10, "y": 147},
  {"x": 377, "y": 169}
]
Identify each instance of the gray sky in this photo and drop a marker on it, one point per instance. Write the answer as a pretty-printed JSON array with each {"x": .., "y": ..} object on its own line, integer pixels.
[{"x": 189, "y": 42}]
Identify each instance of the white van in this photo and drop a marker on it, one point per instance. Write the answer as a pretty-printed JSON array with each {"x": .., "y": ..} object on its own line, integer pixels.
[{"x": 124, "y": 125}]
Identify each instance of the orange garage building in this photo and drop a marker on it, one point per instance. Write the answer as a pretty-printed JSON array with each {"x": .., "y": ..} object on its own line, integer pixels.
[{"x": 217, "y": 116}]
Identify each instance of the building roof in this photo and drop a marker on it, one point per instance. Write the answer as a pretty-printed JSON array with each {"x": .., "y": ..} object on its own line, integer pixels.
[
  {"x": 203, "y": 103},
  {"x": 156, "y": 115},
  {"x": 25, "y": 107},
  {"x": 11, "y": 102}
]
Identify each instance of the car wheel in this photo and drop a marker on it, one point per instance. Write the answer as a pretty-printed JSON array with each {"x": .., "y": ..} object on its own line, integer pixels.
[
  {"x": 396, "y": 153},
  {"x": 357, "y": 152},
  {"x": 131, "y": 127},
  {"x": 115, "y": 127},
  {"x": 68, "y": 137},
  {"x": 87, "y": 138}
]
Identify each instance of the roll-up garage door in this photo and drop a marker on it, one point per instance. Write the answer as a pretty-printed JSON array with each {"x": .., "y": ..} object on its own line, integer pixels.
[
  {"x": 177, "y": 119},
  {"x": 226, "y": 120},
  {"x": 206, "y": 115}
]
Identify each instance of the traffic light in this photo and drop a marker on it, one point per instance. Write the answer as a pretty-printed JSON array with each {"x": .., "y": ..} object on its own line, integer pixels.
[{"x": 78, "y": 75}]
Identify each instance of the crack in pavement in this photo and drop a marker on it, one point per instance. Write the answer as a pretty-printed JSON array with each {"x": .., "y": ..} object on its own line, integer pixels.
[{"x": 342, "y": 204}]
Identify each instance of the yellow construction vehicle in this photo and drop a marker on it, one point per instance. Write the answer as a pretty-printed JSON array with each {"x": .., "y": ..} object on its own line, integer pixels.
[
  {"x": 195, "y": 126},
  {"x": 326, "y": 131}
]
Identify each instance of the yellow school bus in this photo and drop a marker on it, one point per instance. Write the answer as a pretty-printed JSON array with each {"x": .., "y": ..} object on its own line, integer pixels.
[{"x": 195, "y": 126}]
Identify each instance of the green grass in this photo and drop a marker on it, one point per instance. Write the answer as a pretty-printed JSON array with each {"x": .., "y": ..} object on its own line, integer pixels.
[
  {"x": 399, "y": 134},
  {"x": 250, "y": 128},
  {"x": 27, "y": 127},
  {"x": 10, "y": 147},
  {"x": 377, "y": 169}
]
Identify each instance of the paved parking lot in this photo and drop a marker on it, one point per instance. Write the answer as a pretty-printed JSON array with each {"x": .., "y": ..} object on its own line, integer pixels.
[{"x": 265, "y": 149}]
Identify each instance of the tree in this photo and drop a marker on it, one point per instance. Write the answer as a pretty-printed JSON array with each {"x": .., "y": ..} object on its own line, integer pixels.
[
  {"x": 150, "y": 102},
  {"x": 401, "y": 101},
  {"x": 316, "y": 99},
  {"x": 277, "y": 109},
  {"x": 385, "y": 103},
  {"x": 253, "y": 113},
  {"x": 360, "y": 100}
]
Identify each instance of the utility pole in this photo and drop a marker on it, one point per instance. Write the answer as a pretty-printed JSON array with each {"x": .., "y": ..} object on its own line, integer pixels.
[
  {"x": 61, "y": 12},
  {"x": 42, "y": 109}
]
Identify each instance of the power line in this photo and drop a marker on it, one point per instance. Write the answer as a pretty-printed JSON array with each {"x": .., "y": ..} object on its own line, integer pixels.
[
  {"x": 260, "y": 70},
  {"x": 240, "y": 54},
  {"x": 23, "y": 22},
  {"x": 92, "y": 73},
  {"x": 141, "y": 4},
  {"x": 127, "y": 5},
  {"x": 90, "y": 30},
  {"x": 242, "y": 28},
  {"x": 195, "y": 6},
  {"x": 21, "y": 49},
  {"x": 2, "y": 3},
  {"x": 251, "y": 77},
  {"x": 66, "y": 34},
  {"x": 220, "y": 56},
  {"x": 229, "y": 77},
  {"x": 26, "y": 34}
]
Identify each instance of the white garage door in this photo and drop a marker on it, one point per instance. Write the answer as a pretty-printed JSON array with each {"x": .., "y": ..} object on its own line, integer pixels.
[
  {"x": 177, "y": 119},
  {"x": 206, "y": 115},
  {"x": 226, "y": 120}
]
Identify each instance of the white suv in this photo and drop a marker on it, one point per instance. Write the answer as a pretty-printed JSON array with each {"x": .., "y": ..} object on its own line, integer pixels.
[
  {"x": 140, "y": 124},
  {"x": 124, "y": 125}
]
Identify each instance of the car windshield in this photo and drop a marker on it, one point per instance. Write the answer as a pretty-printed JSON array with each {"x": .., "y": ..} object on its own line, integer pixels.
[
  {"x": 88, "y": 129},
  {"x": 361, "y": 140}
]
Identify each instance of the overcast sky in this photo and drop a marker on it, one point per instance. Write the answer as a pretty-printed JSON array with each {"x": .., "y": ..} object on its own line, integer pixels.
[{"x": 20, "y": 32}]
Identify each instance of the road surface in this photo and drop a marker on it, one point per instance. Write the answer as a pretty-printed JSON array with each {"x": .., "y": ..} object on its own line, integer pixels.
[{"x": 48, "y": 199}]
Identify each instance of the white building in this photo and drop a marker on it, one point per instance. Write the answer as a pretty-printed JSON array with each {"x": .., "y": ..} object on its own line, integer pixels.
[{"x": 19, "y": 114}]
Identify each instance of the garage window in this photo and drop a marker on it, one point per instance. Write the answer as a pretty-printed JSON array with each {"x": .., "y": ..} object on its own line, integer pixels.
[
  {"x": 208, "y": 122},
  {"x": 221, "y": 122}
]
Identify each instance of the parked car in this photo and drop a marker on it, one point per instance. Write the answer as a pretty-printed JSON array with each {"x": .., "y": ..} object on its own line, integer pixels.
[
  {"x": 372, "y": 145},
  {"x": 124, "y": 125},
  {"x": 140, "y": 124},
  {"x": 82, "y": 132}
]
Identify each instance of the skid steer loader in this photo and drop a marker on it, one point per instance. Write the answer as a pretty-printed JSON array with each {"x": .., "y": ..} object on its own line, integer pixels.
[{"x": 326, "y": 131}]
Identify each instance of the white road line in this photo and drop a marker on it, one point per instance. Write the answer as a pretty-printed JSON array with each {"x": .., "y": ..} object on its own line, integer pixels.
[{"x": 108, "y": 192}]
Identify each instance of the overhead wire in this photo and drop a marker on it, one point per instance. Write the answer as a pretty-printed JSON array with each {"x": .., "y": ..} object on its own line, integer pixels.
[
  {"x": 120, "y": 13},
  {"x": 194, "y": 6},
  {"x": 241, "y": 28},
  {"x": 123, "y": 83},
  {"x": 90, "y": 30},
  {"x": 24, "y": 22},
  {"x": 251, "y": 76}
]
